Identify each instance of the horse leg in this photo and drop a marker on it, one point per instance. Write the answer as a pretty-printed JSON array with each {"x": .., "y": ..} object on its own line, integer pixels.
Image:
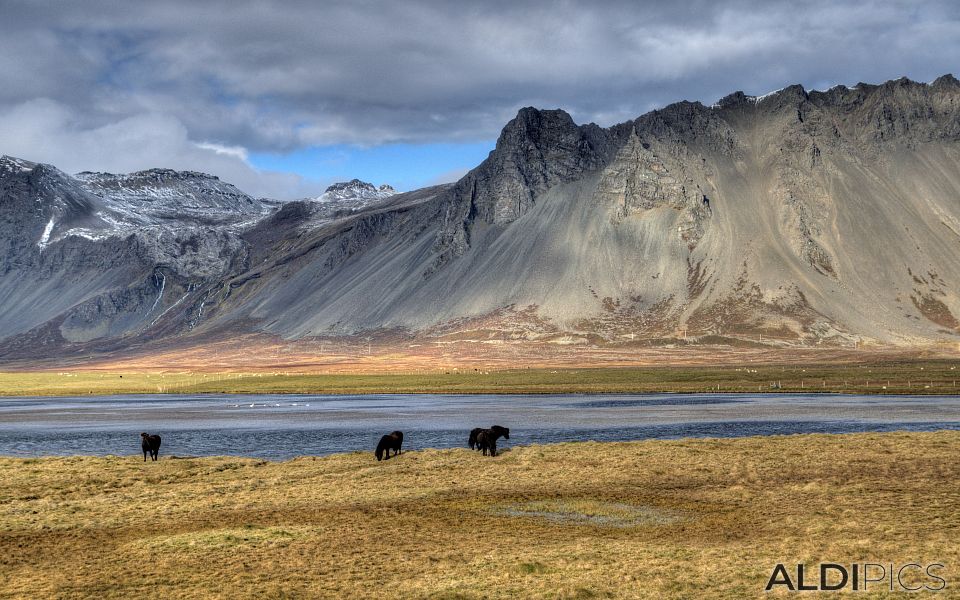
[
  {"x": 144, "y": 456},
  {"x": 493, "y": 448}
]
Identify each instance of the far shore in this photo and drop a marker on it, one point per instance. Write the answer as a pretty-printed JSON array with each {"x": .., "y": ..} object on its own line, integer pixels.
[{"x": 911, "y": 376}]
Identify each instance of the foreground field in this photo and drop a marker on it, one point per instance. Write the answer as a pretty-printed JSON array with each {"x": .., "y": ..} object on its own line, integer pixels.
[
  {"x": 666, "y": 519},
  {"x": 882, "y": 377}
]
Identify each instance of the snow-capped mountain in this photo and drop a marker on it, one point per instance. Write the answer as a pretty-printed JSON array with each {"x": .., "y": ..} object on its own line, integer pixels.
[
  {"x": 155, "y": 195},
  {"x": 355, "y": 194},
  {"x": 341, "y": 199}
]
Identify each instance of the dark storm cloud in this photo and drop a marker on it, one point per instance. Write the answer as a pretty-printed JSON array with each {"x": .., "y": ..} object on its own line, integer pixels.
[{"x": 277, "y": 76}]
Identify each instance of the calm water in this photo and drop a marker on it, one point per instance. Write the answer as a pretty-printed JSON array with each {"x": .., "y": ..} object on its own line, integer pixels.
[{"x": 279, "y": 427}]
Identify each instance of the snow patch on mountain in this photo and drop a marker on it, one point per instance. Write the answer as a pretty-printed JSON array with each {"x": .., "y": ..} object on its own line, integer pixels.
[
  {"x": 45, "y": 237},
  {"x": 162, "y": 195},
  {"x": 762, "y": 97},
  {"x": 10, "y": 164}
]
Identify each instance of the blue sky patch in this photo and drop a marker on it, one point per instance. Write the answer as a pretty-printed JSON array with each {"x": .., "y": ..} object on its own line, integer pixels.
[{"x": 404, "y": 166}]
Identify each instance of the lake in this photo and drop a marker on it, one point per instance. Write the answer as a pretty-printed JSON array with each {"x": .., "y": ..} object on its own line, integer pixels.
[{"x": 278, "y": 427}]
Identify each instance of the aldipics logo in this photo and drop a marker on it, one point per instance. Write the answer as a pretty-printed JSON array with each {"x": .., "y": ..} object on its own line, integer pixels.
[{"x": 909, "y": 577}]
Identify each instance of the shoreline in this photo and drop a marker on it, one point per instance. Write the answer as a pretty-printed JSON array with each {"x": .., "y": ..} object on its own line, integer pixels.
[
  {"x": 771, "y": 438},
  {"x": 781, "y": 393}
]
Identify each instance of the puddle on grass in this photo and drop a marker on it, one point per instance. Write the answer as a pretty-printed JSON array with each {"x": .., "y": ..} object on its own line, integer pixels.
[{"x": 591, "y": 512}]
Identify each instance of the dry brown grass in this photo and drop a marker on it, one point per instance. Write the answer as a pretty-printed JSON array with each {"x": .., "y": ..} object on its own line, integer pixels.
[
  {"x": 918, "y": 376},
  {"x": 666, "y": 519}
]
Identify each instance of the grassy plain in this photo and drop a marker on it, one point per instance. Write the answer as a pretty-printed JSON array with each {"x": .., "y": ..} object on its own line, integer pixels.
[
  {"x": 653, "y": 519},
  {"x": 882, "y": 377}
]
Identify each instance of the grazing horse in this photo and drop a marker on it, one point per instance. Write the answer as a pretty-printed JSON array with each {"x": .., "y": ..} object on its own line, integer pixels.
[
  {"x": 487, "y": 439},
  {"x": 473, "y": 438},
  {"x": 150, "y": 444},
  {"x": 391, "y": 441}
]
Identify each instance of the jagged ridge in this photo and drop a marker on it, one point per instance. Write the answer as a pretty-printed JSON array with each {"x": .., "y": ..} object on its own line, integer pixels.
[{"x": 809, "y": 217}]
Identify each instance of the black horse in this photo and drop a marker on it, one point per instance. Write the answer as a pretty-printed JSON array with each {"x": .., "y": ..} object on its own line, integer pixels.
[
  {"x": 151, "y": 445},
  {"x": 391, "y": 441},
  {"x": 473, "y": 438},
  {"x": 487, "y": 439}
]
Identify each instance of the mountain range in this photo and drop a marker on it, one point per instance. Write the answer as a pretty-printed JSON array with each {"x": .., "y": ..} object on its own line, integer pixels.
[{"x": 794, "y": 218}]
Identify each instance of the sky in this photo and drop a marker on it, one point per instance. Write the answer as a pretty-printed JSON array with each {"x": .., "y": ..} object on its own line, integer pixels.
[{"x": 285, "y": 98}]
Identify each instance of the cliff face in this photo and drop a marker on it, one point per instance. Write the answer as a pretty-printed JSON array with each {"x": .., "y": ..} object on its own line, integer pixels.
[
  {"x": 811, "y": 217},
  {"x": 536, "y": 151}
]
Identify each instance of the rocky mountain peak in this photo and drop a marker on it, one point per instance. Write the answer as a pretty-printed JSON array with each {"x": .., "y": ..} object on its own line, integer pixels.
[
  {"x": 159, "y": 175},
  {"x": 946, "y": 81},
  {"x": 737, "y": 98},
  {"x": 534, "y": 121},
  {"x": 347, "y": 197},
  {"x": 536, "y": 150},
  {"x": 534, "y": 128},
  {"x": 790, "y": 94},
  {"x": 10, "y": 164},
  {"x": 167, "y": 194},
  {"x": 356, "y": 190},
  {"x": 151, "y": 178}
]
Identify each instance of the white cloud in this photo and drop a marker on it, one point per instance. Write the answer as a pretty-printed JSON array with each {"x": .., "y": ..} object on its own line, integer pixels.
[
  {"x": 47, "y": 131},
  {"x": 235, "y": 151},
  {"x": 207, "y": 81}
]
